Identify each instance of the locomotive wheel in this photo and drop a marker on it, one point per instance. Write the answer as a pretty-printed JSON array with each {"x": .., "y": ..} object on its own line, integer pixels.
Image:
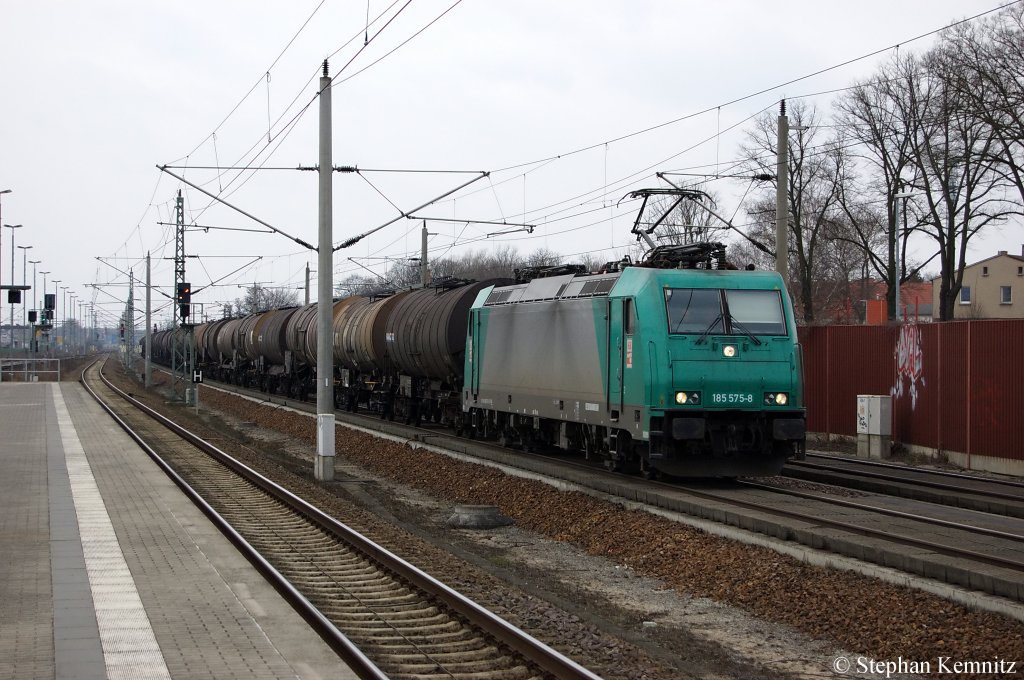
[{"x": 648, "y": 472}]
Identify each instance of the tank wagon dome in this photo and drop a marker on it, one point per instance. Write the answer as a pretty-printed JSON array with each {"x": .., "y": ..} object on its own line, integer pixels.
[
  {"x": 426, "y": 332},
  {"x": 269, "y": 334}
]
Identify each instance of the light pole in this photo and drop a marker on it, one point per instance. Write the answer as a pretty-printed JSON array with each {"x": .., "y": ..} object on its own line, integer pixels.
[
  {"x": 47, "y": 334},
  {"x": 899, "y": 268},
  {"x": 5, "y": 191},
  {"x": 35, "y": 295},
  {"x": 12, "y": 227},
  {"x": 71, "y": 327},
  {"x": 24, "y": 300},
  {"x": 35, "y": 307},
  {"x": 64, "y": 315}
]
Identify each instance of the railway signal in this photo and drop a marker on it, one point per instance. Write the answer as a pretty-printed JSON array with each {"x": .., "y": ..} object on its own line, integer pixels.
[{"x": 184, "y": 299}]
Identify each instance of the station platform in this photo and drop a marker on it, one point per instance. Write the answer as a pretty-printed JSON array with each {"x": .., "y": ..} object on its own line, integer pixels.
[{"x": 108, "y": 571}]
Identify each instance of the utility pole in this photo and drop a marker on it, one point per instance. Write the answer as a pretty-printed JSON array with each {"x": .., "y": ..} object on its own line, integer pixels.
[
  {"x": 424, "y": 271},
  {"x": 782, "y": 197},
  {"x": 149, "y": 327},
  {"x": 324, "y": 467},
  {"x": 129, "y": 322},
  {"x": 307, "y": 283},
  {"x": 33, "y": 344}
]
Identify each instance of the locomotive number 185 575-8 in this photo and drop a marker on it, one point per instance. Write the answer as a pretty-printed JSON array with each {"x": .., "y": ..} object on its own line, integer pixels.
[{"x": 732, "y": 398}]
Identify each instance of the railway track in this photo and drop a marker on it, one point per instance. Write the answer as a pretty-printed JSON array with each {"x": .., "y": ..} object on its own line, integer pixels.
[
  {"x": 971, "y": 492},
  {"x": 984, "y": 554},
  {"x": 382, "y": 615}
]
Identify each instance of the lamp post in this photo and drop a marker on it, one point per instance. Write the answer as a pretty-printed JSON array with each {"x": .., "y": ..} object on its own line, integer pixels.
[
  {"x": 46, "y": 334},
  {"x": 71, "y": 327},
  {"x": 899, "y": 268},
  {"x": 4, "y": 191},
  {"x": 24, "y": 301},
  {"x": 12, "y": 227},
  {"x": 35, "y": 307},
  {"x": 63, "y": 318},
  {"x": 35, "y": 295}
]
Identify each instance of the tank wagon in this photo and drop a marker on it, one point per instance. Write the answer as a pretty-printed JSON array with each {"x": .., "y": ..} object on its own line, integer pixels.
[
  {"x": 399, "y": 355},
  {"x": 678, "y": 364}
]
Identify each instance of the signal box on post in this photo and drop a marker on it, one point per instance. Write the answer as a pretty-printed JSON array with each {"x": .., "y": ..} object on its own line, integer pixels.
[{"x": 184, "y": 299}]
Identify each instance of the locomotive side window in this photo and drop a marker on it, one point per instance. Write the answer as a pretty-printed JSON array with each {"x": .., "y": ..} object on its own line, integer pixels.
[
  {"x": 694, "y": 310},
  {"x": 628, "y": 320},
  {"x": 758, "y": 311}
]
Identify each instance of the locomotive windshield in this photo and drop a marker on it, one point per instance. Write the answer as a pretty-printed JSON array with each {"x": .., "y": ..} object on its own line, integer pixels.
[
  {"x": 694, "y": 310},
  {"x": 703, "y": 310},
  {"x": 759, "y": 311}
]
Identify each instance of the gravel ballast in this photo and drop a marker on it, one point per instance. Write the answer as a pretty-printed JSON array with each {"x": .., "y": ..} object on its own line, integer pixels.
[{"x": 858, "y": 613}]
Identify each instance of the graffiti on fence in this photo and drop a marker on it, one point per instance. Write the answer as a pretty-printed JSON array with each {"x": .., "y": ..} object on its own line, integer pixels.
[{"x": 909, "y": 361}]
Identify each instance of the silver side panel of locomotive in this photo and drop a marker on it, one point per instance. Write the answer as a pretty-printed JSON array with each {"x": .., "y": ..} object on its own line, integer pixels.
[{"x": 540, "y": 353}]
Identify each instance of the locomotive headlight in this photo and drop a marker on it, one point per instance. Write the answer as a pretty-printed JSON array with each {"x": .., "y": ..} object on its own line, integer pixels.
[
  {"x": 681, "y": 397},
  {"x": 780, "y": 398},
  {"x": 687, "y": 398},
  {"x": 729, "y": 350}
]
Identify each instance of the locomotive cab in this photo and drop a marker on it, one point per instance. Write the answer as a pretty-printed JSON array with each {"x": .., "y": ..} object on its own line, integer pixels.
[{"x": 730, "y": 399}]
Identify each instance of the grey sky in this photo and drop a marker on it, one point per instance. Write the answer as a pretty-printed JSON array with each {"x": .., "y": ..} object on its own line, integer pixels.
[{"x": 97, "y": 94}]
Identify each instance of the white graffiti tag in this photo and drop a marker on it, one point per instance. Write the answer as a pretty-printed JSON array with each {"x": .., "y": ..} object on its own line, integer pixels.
[{"x": 909, "y": 360}]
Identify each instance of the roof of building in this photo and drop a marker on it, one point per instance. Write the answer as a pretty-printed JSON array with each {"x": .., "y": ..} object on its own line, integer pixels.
[{"x": 1001, "y": 253}]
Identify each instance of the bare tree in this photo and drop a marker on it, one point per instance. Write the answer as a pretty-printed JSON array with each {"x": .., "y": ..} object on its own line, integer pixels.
[
  {"x": 984, "y": 62},
  {"x": 952, "y": 151},
  {"x": 814, "y": 189},
  {"x": 874, "y": 117},
  {"x": 260, "y": 298}
]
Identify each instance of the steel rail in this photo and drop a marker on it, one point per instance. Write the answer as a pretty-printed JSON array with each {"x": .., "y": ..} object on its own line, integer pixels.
[
  {"x": 995, "y": 533},
  {"x": 525, "y": 644},
  {"x": 942, "y": 473},
  {"x": 951, "y": 551},
  {"x": 345, "y": 648}
]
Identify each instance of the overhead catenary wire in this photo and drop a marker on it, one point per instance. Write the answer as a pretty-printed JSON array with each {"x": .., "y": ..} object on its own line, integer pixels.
[{"x": 535, "y": 210}]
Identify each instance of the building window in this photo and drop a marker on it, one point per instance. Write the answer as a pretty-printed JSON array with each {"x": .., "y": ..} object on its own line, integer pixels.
[
  {"x": 984, "y": 271},
  {"x": 965, "y": 295},
  {"x": 1005, "y": 295},
  {"x": 1020, "y": 271}
]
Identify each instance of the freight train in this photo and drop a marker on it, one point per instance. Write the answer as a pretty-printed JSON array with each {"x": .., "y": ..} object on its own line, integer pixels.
[{"x": 675, "y": 365}]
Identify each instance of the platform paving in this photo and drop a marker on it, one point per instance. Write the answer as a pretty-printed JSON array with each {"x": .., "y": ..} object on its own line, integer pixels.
[{"x": 108, "y": 571}]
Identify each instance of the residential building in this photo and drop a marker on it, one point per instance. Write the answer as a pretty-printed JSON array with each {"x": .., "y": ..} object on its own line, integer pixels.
[{"x": 992, "y": 288}]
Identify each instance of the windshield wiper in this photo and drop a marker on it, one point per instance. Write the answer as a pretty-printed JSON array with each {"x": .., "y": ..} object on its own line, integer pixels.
[
  {"x": 704, "y": 335},
  {"x": 743, "y": 329}
]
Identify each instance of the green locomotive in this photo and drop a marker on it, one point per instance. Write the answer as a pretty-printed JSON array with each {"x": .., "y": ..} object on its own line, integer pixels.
[{"x": 691, "y": 371}]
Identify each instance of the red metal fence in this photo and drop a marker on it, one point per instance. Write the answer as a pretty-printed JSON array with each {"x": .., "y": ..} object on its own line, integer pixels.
[{"x": 956, "y": 386}]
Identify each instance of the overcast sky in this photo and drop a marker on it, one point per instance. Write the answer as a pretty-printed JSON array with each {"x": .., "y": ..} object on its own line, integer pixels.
[{"x": 97, "y": 94}]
